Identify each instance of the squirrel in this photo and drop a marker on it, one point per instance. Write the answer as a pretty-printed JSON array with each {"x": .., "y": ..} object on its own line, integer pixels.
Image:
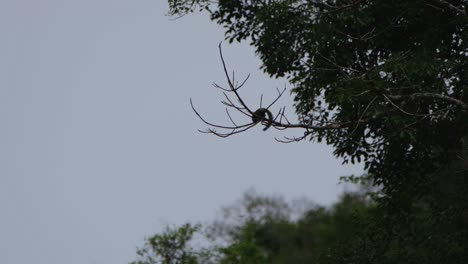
[{"x": 259, "y": 116}]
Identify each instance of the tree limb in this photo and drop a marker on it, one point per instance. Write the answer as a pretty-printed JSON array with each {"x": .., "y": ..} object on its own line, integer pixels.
[
  {"x": 451, "y": 7},
  {"x": 280, "y": 121},
  {"x": 446, "y": 98}
]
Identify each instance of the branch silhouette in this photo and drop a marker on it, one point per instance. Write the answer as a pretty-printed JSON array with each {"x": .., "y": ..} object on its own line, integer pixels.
[{"x": 233, "y": 101}]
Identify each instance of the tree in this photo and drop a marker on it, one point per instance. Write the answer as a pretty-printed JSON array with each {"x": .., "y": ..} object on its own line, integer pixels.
[
  {"x": 383, "y": 82},
  {"x": 172, "y": 246},
  {"x": 289, "y": 232},
  {"x": 262, "y": 229}
]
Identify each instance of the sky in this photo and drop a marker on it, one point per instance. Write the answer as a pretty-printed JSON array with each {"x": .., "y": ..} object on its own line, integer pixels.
[{"x": 99, "y": 145}]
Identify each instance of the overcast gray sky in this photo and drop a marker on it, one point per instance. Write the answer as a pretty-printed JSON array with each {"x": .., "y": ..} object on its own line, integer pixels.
[{"x": 99, "y": 147}]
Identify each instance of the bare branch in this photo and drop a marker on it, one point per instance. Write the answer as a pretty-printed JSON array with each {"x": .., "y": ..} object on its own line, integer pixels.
[
  {"x": 244, "y": 81},
  {"x": 230, "y": 118},
  {"x": 231, "y": 85},
  {"x": 401, "y": 110},
  {"x": 446, "y": 98},
  {"x": 277, "y": 98},
  {"x": 450, "y": 6},
  {"x": 362, "y": 115},
  {"x": 233, "y": 100}
]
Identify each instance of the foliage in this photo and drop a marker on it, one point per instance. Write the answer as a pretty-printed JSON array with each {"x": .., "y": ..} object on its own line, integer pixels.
[
  {"x": 260, "y": 230},
  {"x": 171, "y": 247},
  {"x": 393, "y": 76},
  {"x": 392, "y": 70}
]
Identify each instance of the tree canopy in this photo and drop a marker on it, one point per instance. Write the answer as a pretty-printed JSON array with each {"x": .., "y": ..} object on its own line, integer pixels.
[
  {"x": 386, "y": 84},
  {"x": 261, "y": 229},
  {"x": 390, "y": 75}
]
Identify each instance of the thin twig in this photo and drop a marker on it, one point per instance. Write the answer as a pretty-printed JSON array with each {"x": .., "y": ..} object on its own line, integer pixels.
[{"x": 362, "y": 115}]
